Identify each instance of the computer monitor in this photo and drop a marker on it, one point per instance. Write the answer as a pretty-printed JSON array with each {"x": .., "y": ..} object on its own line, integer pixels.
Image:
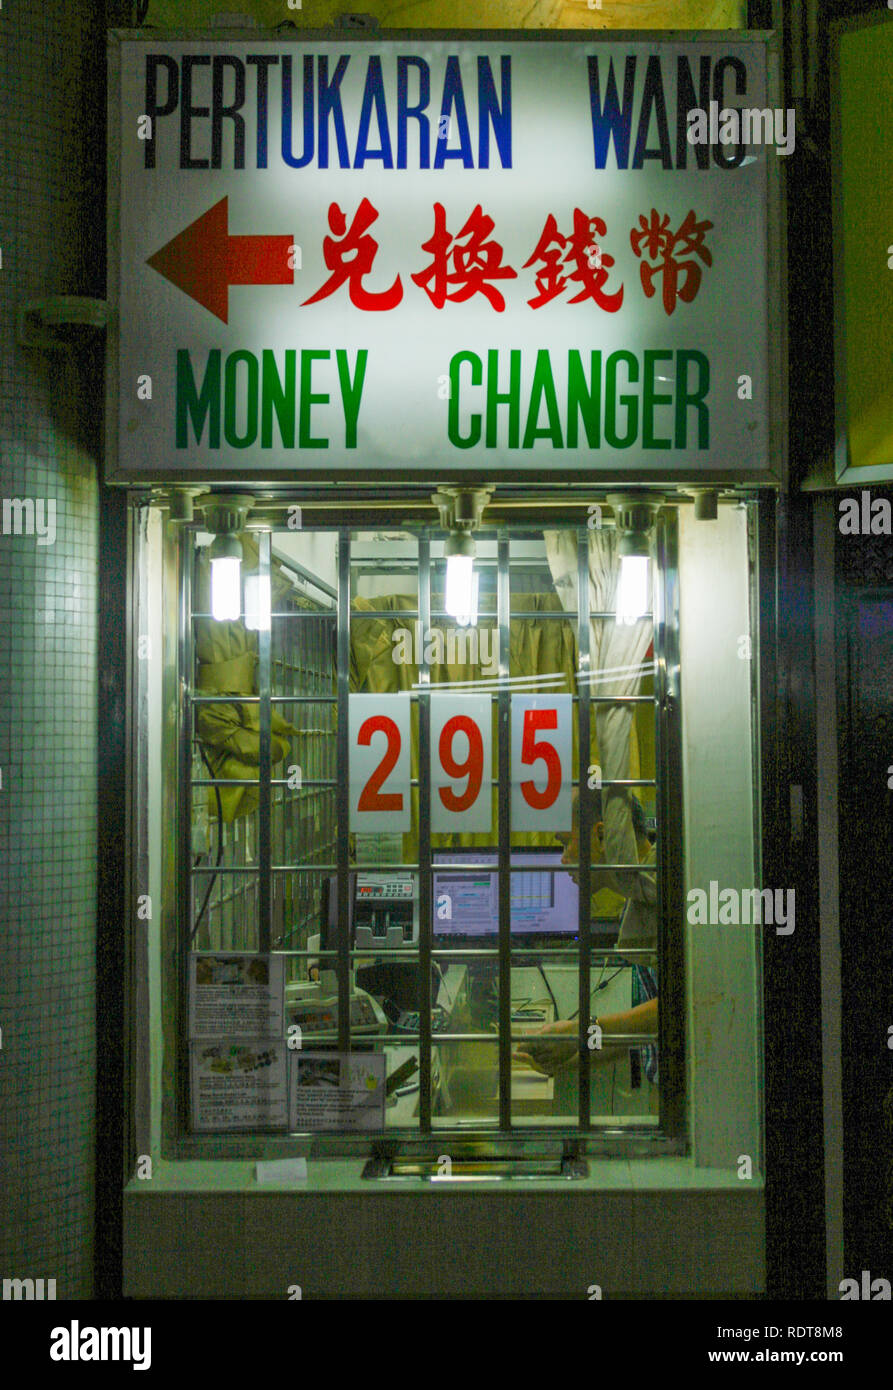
[{"x": 543, "y": 904}]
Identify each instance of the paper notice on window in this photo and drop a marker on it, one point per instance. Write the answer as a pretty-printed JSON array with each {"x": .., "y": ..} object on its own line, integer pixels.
[
  {"x": 239, "y": 1084},
  {"x": 336, "y": 1090},
  {"x": 236, "y": 994}
]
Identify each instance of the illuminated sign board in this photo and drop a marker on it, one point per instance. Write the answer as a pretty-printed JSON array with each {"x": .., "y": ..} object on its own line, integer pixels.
[
  {"x": 862, "y": 71},
  {"x": 450, "y": 257}
]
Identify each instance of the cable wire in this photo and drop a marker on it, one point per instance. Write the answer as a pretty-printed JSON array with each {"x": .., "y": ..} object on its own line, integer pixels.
[{"x": 201, "y": 914}]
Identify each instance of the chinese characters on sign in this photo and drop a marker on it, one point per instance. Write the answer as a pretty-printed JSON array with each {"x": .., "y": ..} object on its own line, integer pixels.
[
  {"x": 468, "y": 263},
  {"x": 660, "y": 241}
]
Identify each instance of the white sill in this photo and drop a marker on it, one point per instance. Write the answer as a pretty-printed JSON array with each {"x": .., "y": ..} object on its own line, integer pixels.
[{"x": 659, "y": 1174}]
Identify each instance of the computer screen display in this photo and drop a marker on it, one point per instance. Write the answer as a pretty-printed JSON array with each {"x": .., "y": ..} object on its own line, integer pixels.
[{"x": 467, "y": 905}]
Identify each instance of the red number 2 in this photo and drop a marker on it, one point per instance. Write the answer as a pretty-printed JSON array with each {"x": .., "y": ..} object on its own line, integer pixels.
[
  {"x": 531, "y": 752},
  {"x": 371, "y": 799},
  {"x": 472, "y": 768}
]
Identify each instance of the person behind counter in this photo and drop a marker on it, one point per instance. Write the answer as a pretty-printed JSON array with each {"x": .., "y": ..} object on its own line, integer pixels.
[{"x": 549, "y": 1049}]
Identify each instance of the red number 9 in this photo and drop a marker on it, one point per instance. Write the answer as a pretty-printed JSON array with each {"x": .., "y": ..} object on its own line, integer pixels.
[{"x": 472, "y": 768}]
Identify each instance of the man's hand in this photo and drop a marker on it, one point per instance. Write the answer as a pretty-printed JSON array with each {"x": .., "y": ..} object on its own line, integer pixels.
[{"x": 550, "y": 1048}]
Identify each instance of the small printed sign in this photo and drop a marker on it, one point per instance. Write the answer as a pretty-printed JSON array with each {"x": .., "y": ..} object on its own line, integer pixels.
[
  {"x": 239, "y": 1084},
  {"x": 235, "y": 994},
  {"x": 335, "y": 1090}
]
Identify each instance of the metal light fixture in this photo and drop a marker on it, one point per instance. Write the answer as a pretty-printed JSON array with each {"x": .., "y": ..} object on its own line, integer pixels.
[
  {"x": 634, "y": 519},
  {"x": 225, "y": 515},
  {"x": 461, "y": 510},
  {"x": 706, "y": 504}
]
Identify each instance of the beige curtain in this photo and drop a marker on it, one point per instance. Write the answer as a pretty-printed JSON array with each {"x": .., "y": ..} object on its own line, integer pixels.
[
  {"x": 226, "y": 661},
  {"x": 617, "y": 656}
]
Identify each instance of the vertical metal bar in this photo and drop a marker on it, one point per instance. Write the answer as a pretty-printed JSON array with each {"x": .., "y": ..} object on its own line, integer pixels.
[
  {"x": 812, "y": 53},
  {"x": 135, "y": 844},
  {"x": 342, "y": 793},
  {"x": 796, "y": 36},
  {"x": 585, "y": 816},
  {"x": 185, "y": 676},
  {"x": 669, "y": 881},
  {"x": 425, "y": 913},
  {"x": 771, "y": 734},
  {"x": 504, "y": 842},
  {"x": 293, "y": 905},
  {"x": 824, "y": 532},
  {"x": 661, "y": 709},
  {"x": 264, "y": 689}
]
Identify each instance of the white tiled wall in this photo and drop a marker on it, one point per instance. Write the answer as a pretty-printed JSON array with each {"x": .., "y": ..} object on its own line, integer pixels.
[{"x": 48, "y": 634}]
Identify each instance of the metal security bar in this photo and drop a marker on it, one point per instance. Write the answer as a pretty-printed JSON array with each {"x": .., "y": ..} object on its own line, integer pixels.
[
  {"x": 343, "y": 816},
  {"x": 426, "y": 924},
  {"x": 303, "y": 842},
  {"x": 262, "y": 883},
  {"x": 585, "y": 814},
  {"x": 668, "y": 768},
  {"x": 264, "y": 677},
  {"x": 504, "y": 838}
]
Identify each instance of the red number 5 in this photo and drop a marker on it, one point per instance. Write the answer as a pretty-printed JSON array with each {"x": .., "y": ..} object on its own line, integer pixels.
[
  {"x": 531, "y": 752},
  {"x": 371, "y": 799}
]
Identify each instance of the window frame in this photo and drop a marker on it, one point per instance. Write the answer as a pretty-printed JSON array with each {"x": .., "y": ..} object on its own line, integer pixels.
[{"x": 630, "y": 1139}]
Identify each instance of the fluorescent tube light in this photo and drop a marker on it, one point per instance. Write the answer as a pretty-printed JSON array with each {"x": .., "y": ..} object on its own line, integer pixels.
[
  {"x": 258, "y": 602},
  {"x": 459, "y": 596},
  {"x": 226, "y": 576},
  {"x": 632, "y": 589}
]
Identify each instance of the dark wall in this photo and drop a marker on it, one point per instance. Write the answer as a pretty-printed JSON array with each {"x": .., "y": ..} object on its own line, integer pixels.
[
  {"x": 863, "y": 615},
  {"x": 865, "y": 685}
]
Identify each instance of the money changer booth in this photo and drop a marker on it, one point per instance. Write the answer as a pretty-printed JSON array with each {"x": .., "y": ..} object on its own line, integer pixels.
[{"x": 444, "y": 390}]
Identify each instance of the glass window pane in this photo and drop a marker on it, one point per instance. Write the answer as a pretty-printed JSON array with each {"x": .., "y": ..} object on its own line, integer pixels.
[
  {"x": 384, "y": 571},
  {"x": 225, "y": 908},
  {"x": 387, "y": 647},
  {"x": 466, "y": 1085}
]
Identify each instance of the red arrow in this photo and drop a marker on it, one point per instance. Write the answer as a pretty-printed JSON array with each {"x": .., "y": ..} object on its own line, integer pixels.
[{"x": 204, "y": 260}]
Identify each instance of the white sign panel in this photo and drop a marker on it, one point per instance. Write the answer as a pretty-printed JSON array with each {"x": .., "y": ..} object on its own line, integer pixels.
[
  {"x": 541, "y": 762},
  {"x": 239, "y": 1084},
  {"x": 461, "y": 762},
  {"x": 379, "y": 740},
  {"x": 337, "y": 1090},
  {"x": 489, "y": 258},
  {"x": 236, "y": 994}
]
